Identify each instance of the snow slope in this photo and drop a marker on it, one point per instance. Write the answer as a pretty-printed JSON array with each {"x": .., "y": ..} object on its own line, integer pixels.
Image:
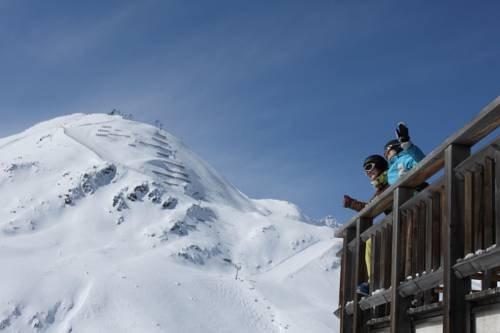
[{"x": 111, "y": 225}]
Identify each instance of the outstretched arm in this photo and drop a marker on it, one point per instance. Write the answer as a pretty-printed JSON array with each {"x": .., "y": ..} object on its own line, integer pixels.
[{"x": 353, "y": 203}]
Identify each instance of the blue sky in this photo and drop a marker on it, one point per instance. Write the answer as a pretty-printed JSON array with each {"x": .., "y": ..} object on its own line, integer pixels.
[{"x": 284, "y": 98}]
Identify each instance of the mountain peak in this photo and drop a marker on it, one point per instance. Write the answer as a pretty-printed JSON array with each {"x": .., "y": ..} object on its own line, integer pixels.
[{"x": 102, "y": 211}]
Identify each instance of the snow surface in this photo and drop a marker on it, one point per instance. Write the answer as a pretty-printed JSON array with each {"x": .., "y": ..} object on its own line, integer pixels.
[{"x": 111, "y": 225}]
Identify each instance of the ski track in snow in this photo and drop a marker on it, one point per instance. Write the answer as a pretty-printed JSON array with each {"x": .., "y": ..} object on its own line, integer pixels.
[
  {"x": 11, "y": 142},
  {"x": 254, "y": 315},
  {"x": 65, "y": 325},
  {"x": 69, "y": 135},
  {"x": 97, "y": 123},
  {"x": 297, "y": 261}
]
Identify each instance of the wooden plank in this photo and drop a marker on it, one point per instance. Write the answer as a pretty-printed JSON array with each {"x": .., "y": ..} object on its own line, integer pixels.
[
  {"x": 352, "y": 281},
  {"x": 483, "y": 124},
  {"x": 388, "y": 257},
  {"x": 497, "y": 197},
  {"x": 373, "y": 263},
  {"x": 428, "y": 235},
  {"x": 455, "y": 313},
  {"x": 383, "y": 257},
  {"x": 478, "y": 209},
  {"x": 485, "y": 294},
  {"x": 378, "y": 268},
  {"x": 376, "y": 261},
  {"x": 444, "y": 224},
  {"x": 422, "y": 283},
  {"x": 341, "y": 286},
  {"x": 415, "y": 245},
  {"x": 408, "y": 258},
  {"x": 489, "y": 230},
  {"x": 488, "y": 280},
  {"x": 385, "y": 263},
  {"x": 421, "y": 238},
  {"x": 347, "y": 275},
  {"x": 438, "y": 224},
  {"x": 378, "y": 299},
  {"x": 379, "y": 258},
  {"x": 359, "y": 317},
  {"x": 436, "y": 307},
  {"x": 429, "y": 230},
  {"x": 419, "y": 254},
  {"x": 489, "y": 197},
  {"x": 436, "y": 229},
  {"x": 399, "y": 306},
  {"x": 429, "y": 244},
  {"x": 468, "y": 212},
  {"x": 352, "y": 244},
  {"x": 378, "y": 321},
  {"x": 488, "y": 260}
]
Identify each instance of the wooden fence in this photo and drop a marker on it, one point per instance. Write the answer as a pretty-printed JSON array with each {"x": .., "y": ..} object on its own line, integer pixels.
[{"x": 436, "y": 256}]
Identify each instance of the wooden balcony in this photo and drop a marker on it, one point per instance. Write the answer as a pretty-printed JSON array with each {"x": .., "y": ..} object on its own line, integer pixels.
[{"x": 435, "y": 243}]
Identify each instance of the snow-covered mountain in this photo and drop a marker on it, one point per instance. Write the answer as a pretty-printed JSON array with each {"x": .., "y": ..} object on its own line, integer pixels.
[{"x": 111, "y": 225}]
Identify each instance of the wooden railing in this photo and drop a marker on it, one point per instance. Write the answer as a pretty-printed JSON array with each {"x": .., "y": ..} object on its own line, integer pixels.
[{"x": 434, "y": 243}]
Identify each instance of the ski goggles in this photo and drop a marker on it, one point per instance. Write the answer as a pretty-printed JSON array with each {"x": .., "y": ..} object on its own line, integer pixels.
[{"x": 369, "y": 166}]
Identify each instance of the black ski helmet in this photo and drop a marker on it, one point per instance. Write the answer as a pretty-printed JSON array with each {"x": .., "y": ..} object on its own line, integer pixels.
[
  {"x": 393, "y": 145},
  {"x": 380, "y": 162}
]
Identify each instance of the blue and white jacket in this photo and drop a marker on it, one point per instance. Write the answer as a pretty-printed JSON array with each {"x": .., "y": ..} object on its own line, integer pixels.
[{"x": 404, "y": 161}]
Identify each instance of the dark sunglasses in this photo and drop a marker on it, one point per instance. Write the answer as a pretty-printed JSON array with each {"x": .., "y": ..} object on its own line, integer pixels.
[{"x": 369, "y": 166}]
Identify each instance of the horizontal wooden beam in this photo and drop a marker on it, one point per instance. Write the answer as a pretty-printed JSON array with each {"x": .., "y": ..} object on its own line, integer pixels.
[
  {"x": 422, "y": 283},
  {"x": 481, "y": 295},
  {"x": 378, "y": 321},
  {"x": 478, "y": 263},
  {"x": 436, "y": 308},
  {"x": 376, "y": 299}
]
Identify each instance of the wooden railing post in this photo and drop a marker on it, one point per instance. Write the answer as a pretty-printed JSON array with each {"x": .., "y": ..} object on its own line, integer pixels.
[
  {"x": 399, "y": 306},
  {"x": 347, "y": 276},
  {"x": 359, "y": 320},
  {"x": 455, "y": 314}
]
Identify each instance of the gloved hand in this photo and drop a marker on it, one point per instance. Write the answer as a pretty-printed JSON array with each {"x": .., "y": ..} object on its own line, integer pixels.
[
  {"x": 347, "y": 201},
  {"x": 402, "y": 133}
]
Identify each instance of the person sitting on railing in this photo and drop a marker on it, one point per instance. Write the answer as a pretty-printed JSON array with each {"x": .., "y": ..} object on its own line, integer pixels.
[
  {"x": 376, "y": 169},
  {"x": 402, "y": 154}
]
